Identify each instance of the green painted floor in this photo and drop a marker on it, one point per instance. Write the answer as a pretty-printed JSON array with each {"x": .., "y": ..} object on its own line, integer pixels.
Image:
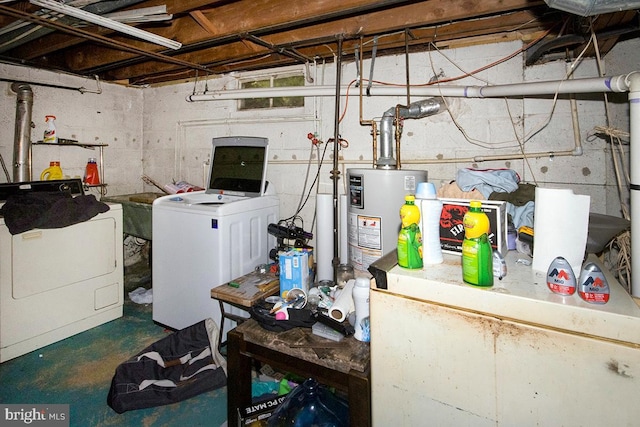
[{"x": 78, "y": 371}]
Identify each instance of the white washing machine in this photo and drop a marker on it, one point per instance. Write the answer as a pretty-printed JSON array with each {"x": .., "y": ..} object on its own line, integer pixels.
[{"x": 207, "y": 238}]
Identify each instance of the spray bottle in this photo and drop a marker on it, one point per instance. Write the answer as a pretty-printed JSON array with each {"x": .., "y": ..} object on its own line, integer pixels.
[
  {"x": 477, "y": 255},
  {"x": 410, "y": 238},
  {"x": 50, "y": 134}
]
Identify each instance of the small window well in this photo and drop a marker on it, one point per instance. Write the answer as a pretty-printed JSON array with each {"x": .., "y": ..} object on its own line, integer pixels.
[{"x": 277, "y": 102}]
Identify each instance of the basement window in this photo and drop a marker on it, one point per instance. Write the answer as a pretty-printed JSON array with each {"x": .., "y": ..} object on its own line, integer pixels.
[{"x": 279, "y": 102}]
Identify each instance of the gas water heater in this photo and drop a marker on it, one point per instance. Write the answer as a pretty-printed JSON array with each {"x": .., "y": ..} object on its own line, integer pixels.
[{"x": 373, "y": 211}]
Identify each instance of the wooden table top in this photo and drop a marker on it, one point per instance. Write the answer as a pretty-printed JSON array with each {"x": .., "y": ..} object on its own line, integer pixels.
[
  {"x": 350, "y": 354},
  {"x": 247, "y": 290}
]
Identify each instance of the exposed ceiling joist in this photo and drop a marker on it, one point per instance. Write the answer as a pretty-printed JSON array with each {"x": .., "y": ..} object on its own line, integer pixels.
[{"x": 237, "y": 35}]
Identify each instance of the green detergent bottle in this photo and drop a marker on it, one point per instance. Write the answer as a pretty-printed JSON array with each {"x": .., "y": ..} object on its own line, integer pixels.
[
  {"x": 477, "y": 261},
  {"x": 410, "y": 238}
]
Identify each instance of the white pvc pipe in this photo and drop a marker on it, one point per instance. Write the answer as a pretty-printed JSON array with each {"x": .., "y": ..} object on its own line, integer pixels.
[
  {"x": 634, "y": 154},
  {"x": 618, "y": 83}
]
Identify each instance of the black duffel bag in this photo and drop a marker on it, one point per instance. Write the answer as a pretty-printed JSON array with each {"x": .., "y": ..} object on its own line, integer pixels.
[{"x": 177, "y": 367}]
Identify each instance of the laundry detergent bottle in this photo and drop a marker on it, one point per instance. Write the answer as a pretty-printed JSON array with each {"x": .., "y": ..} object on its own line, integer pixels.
[
  {"x": 410, "y": 238},
  {"x": 477, "y": 255},
  {"x": 52, "y": 172}
]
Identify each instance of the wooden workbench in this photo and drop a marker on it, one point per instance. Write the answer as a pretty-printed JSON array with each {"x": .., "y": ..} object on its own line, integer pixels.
[{"x": 243, "y": 292}]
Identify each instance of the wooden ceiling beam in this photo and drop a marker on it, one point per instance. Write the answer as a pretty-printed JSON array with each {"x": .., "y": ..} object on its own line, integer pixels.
[
  {"x": 273, "y": 15},
  {"x": 219, "y": 58}
]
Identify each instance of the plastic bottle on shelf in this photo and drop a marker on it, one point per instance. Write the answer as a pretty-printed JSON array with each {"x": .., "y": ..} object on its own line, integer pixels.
[
  {"x": 52, "y": 172},
  {"x": 410, "y": 238},
  {"x": 361, "y": 290},
  {"x": 430, "y": 211},
  {"x": 91, "y": 175},
  {"x": 477, "y": 254},
  {"x": 50, "y": 134}
]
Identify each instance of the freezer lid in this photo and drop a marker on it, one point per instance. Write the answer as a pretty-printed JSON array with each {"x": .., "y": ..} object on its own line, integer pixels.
[{"x": 522, "y": 296}]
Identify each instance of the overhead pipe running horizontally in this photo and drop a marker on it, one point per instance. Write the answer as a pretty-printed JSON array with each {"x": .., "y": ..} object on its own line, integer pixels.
[{"x": 618, "y": 83}]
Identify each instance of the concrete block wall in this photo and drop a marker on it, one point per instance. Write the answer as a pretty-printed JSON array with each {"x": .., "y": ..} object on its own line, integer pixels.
[
  {"x": 113, "y": 117},
  {"x": 183, "y": 131},
  {"x": 155, "y": 131}
]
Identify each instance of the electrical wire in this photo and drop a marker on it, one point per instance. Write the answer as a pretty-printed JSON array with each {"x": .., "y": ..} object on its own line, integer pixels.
[
  {"x": 313, "y": 184},
  {"x": 505, "y": 144}
]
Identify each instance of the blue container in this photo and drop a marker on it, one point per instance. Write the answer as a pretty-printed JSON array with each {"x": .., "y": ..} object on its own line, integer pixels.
[{"x": 311, "y": 404}]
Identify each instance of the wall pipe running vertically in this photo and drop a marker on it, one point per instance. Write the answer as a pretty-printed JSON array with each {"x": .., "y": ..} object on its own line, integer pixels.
[
  {"x": 22, "y": 138},
  {"x": 634, "y": 155},
  {"x": 335, "y": 172}
]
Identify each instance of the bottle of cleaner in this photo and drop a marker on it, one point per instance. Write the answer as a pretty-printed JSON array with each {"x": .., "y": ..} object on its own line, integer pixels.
[
  {"x": 430, "y": 211},
  {"x": 410, "y": 238},
  {"x": 593, "y": 286},
  {"x": 50, "y": 134},
  {"x": 477, "y": 255},
  {"x": 560, "y": 277},
  {"x": 91, "y": 176}
]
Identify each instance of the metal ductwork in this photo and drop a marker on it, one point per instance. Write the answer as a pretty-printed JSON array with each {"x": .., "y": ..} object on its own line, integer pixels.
[
  {"x": 593, "y": 7},
  {"x": 22, "y": 139},
  {"x": 415, "y": 110}
]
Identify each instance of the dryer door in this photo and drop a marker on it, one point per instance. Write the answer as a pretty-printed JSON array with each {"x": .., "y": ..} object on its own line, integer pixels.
[{"x": 43, "y": 260}]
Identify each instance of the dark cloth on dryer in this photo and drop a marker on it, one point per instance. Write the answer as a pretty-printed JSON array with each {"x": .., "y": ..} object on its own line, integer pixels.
[{"x": 24, "y": 212}]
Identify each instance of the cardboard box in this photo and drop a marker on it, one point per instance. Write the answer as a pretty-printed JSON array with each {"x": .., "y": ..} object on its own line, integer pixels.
[
  {"x": 258, "y": 413},
  {"x": 296, "y": 270},
  {"x": 452, "y": 230}
]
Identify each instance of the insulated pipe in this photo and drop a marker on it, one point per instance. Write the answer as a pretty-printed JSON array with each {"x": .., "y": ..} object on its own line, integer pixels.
[
  {"x": 22, "y": 138},
  {"x": 634, "y": 154},
  {"x": 416, "y": 110},
  {"x": 618, "y": 83}
]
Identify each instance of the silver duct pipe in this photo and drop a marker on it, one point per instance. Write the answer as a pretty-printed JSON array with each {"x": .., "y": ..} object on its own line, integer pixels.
[
  {"x": 22, "y": 139},
  {"x": 415, "y": 110}
]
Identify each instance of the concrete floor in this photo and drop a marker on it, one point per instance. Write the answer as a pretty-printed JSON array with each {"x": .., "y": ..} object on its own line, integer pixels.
[{"x": 78, "y": 371}]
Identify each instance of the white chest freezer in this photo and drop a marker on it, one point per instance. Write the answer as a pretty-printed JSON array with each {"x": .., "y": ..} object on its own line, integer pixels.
[{"x": 446, "y": 353}]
